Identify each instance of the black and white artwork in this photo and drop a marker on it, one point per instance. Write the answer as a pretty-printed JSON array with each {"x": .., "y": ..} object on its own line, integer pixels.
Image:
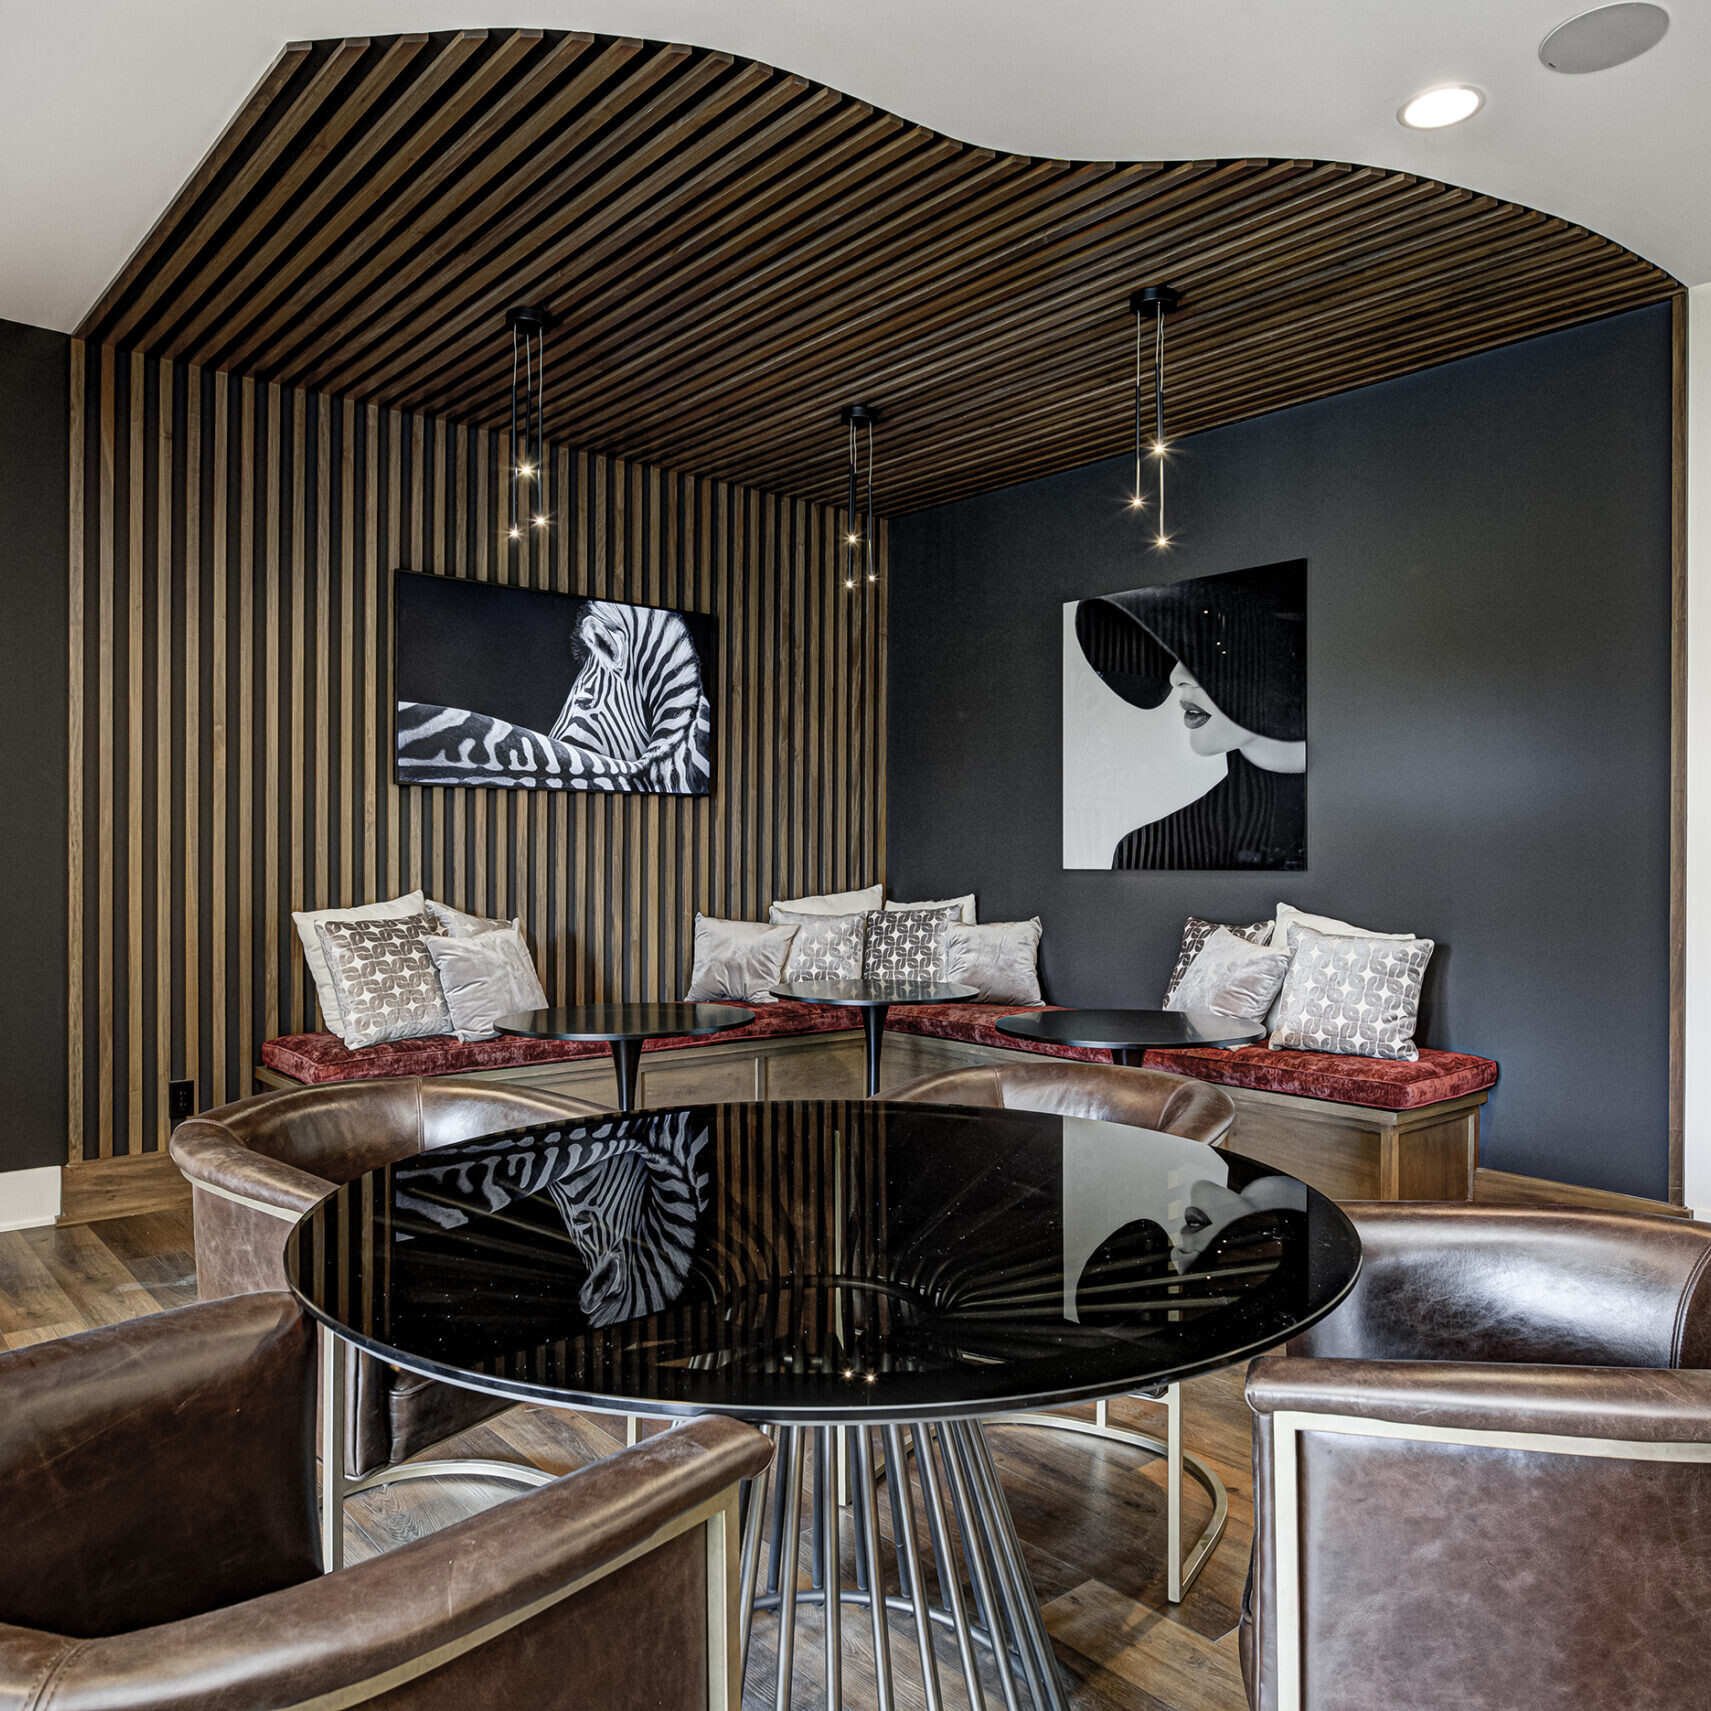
[
  {"x": 1185, "y": 724},
  {"x": 521, "y": 689}
]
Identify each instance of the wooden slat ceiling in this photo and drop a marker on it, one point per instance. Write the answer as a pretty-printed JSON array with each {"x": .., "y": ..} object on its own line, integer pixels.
[{"x": 733, "y": 253}]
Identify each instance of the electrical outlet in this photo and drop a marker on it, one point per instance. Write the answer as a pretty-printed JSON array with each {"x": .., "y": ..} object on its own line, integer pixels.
[{"x": 180, "y": 1100}]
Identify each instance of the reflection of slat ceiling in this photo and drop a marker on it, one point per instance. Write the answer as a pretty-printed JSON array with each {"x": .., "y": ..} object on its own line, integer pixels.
[{"x": 733, "y": 253}]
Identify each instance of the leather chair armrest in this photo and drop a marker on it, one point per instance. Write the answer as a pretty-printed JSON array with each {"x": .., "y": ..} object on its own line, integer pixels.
[
  {"x": 437, "y": 1596},
  {"x": 210, "y": 1156},
  {"x": 1557, "y": 1401}
]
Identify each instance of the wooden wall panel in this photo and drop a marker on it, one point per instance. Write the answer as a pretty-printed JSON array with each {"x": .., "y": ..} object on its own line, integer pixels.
[{"x": 233, "y": 544}]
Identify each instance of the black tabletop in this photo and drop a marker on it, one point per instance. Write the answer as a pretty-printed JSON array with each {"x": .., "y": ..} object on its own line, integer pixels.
[
  {"x": 1129, "y": 1030},
  {"x": 624, "y": 1021},
  {"x": 821, "y": 1261},
  {"x": 863, "y": 994}
]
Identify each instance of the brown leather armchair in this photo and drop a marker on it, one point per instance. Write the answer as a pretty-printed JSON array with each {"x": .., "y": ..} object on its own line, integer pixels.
[
  {"x": 1144, "y": 1099},
  {"x": 158, "y": 1483},
  {"x": 257, "y": 1165},
  {"x": 1485, "y": 1480},
  {"x": 1112, "y": 1093}
]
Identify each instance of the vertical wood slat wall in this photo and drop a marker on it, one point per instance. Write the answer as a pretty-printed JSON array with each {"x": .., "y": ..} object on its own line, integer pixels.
[{"x": 232, "y": 549}]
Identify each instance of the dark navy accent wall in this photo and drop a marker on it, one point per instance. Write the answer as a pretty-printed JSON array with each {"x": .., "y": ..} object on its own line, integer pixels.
[
  {"x": 34, "y": 532},
  {"x": 1488, "y": 547}
]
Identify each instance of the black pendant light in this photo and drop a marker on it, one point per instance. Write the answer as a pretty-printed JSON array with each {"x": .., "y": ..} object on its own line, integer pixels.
[
  {"x": 1151, "y": 303},
  {"x": 528, "y": 328},
  {"x": 859, "y": 536}
]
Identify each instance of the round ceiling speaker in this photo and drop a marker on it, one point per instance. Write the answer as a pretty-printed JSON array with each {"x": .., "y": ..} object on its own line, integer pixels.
[{"x": 1603, "y": 37}]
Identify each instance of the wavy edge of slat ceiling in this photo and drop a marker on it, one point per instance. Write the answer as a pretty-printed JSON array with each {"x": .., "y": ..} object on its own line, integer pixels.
[{"x": 733, "y": 252}]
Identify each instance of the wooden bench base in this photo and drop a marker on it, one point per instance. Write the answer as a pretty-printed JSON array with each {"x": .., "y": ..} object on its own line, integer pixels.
[{"x": 1346, "y": 1151}]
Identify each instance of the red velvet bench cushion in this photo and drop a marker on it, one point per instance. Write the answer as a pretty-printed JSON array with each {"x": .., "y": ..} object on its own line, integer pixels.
[
  {"x": 1378, "y": 1083},
  {"x": 976, "y": 1023},
  {"x": 325, "y": 1057}
]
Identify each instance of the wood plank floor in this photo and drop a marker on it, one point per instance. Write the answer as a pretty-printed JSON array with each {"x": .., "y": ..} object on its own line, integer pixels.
[{"x": 1090, "y": 1516}]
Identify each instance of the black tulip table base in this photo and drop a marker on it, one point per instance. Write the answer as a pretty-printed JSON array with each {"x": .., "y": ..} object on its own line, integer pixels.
[{"x": 959, "y": 1566}]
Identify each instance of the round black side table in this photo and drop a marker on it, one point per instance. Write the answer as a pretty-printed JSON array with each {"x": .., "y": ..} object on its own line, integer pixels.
[
  {"x": 624, "y": 1027},
  {"x": 1129, "y": 1034},
  {"x": 874, "y": 999}
]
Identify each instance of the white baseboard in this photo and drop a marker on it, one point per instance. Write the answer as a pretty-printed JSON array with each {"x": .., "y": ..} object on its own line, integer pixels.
[{"x": 29, "y": 1198}]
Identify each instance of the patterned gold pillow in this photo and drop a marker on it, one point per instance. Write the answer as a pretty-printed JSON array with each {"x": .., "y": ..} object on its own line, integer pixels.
[
  {"x": 387, "y": 985},
  {"x": 1356, "y": 997},
  {"x": 905, "y": 946},
  {"x": 827, "y": 947}
]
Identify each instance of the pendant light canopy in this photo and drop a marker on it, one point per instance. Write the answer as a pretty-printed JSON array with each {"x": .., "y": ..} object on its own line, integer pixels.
[
  {"x": 528, "y": 328},
  {"x": 859, "y": 534},
  {"x": 1149, "y": 306}
]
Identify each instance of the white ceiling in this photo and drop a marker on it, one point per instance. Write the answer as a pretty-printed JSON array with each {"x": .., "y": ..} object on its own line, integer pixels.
[{"x": 106, "y": 106}]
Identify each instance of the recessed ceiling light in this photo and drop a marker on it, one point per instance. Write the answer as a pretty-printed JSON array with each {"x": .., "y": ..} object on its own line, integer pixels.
[
  {"x": 1603, "y": 37},
  {"x": 1439, "y": 107}
]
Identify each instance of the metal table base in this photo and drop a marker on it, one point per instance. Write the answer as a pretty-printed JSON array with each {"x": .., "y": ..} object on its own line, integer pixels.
[{"x": 959, "y": 1566}]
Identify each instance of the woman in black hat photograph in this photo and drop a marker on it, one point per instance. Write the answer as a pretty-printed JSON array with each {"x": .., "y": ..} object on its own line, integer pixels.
[{"x": 1185, "y": 724}]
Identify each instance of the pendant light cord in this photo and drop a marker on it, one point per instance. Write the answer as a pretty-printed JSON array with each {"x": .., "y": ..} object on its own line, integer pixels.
[
  {"x": 1158, "y": 409},
  {"x": 872, "y": 573}
]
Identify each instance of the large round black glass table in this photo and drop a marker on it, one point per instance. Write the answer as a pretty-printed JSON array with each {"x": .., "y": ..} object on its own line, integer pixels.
[
  {"x": 1128, "y": 1035},
  {"x": 874, "y": 999},
  {"x": 625, "y": 1027},
  {"x": 865, "y": 1280}
]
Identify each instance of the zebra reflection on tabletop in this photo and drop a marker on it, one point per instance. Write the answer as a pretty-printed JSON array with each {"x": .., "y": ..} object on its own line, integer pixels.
[{"x": 636, "y": 718}]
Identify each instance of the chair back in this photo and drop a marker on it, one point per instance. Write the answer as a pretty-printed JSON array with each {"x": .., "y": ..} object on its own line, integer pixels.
[{"x": 1064, "y": 1087}]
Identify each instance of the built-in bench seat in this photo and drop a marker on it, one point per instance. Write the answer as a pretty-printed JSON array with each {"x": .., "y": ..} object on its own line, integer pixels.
[{"x": 1357, "y": 1128}]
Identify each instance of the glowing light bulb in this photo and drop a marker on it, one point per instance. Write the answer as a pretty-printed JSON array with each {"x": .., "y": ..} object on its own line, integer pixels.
[
  {"x": 849, "y": 582},
  {"x": 1163, "y": 541},
  {"x": 540, "y": 522},
  {"x": 1137, "y": 503},
  {"x": 1160, "y": 447},
  {"x": 515, "y": 533},
  {"x": 1439, "y": 107},
  {"x": 854, "y": 540},
  {"x": 525, "y": 470}
]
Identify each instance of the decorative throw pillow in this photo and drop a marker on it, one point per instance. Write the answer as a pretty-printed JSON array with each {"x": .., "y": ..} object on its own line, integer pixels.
[
  {"x": 1356, "y": 997},
  {"x": 907, "y": 945},
  {"x": 1195, "y": 935},
  {"x": 455, "y": 924},
  {"x": 1231, "y": 976},
  {"x": 307, "y": 920},
  {"x": 385, "y": 980},
  {"x": 485, "y": 976},
  {"x": 963, "y": 905},
  {"x": 831, "y": 903},
  {"x": 1288, "y": 916},
  {"x": 999, "y": 960},
  {"x": 737, "y": 961},
  {"x": 827, "y": 947}
]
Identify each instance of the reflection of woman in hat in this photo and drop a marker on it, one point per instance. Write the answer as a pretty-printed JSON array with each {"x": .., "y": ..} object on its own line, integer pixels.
[{"x": 1231, "y": 652}]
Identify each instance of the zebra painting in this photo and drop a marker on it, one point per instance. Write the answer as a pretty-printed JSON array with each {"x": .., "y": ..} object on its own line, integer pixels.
[{"x": 474, "y": 677}]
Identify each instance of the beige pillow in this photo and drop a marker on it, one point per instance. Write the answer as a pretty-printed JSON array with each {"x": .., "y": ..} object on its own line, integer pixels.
[
  {"x": 831, "y": 903},
  {"x": 737, "y": 961},
  {"x": 965, "y": 906},
  {"x": 308, "y": 920},
  {"x": 999, "y": 960},
  {"x": 386, "y": 983},
  {"x": 485, "y": 976}
]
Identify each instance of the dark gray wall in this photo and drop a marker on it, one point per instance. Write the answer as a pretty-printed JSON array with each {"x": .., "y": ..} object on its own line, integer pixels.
[
  {"x": 34, "y": 377},
  {"x": 1488, "y": 655}
]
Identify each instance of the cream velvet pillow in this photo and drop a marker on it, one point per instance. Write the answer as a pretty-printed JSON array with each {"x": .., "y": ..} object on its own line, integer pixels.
[
  {"x": 1231, "y": 976},
  {"x": 737, "y": 961},
  {"x": 307, "y": 921},
  {"x": 999, "y": 960},
  {"x": 485, "y": 976}
]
